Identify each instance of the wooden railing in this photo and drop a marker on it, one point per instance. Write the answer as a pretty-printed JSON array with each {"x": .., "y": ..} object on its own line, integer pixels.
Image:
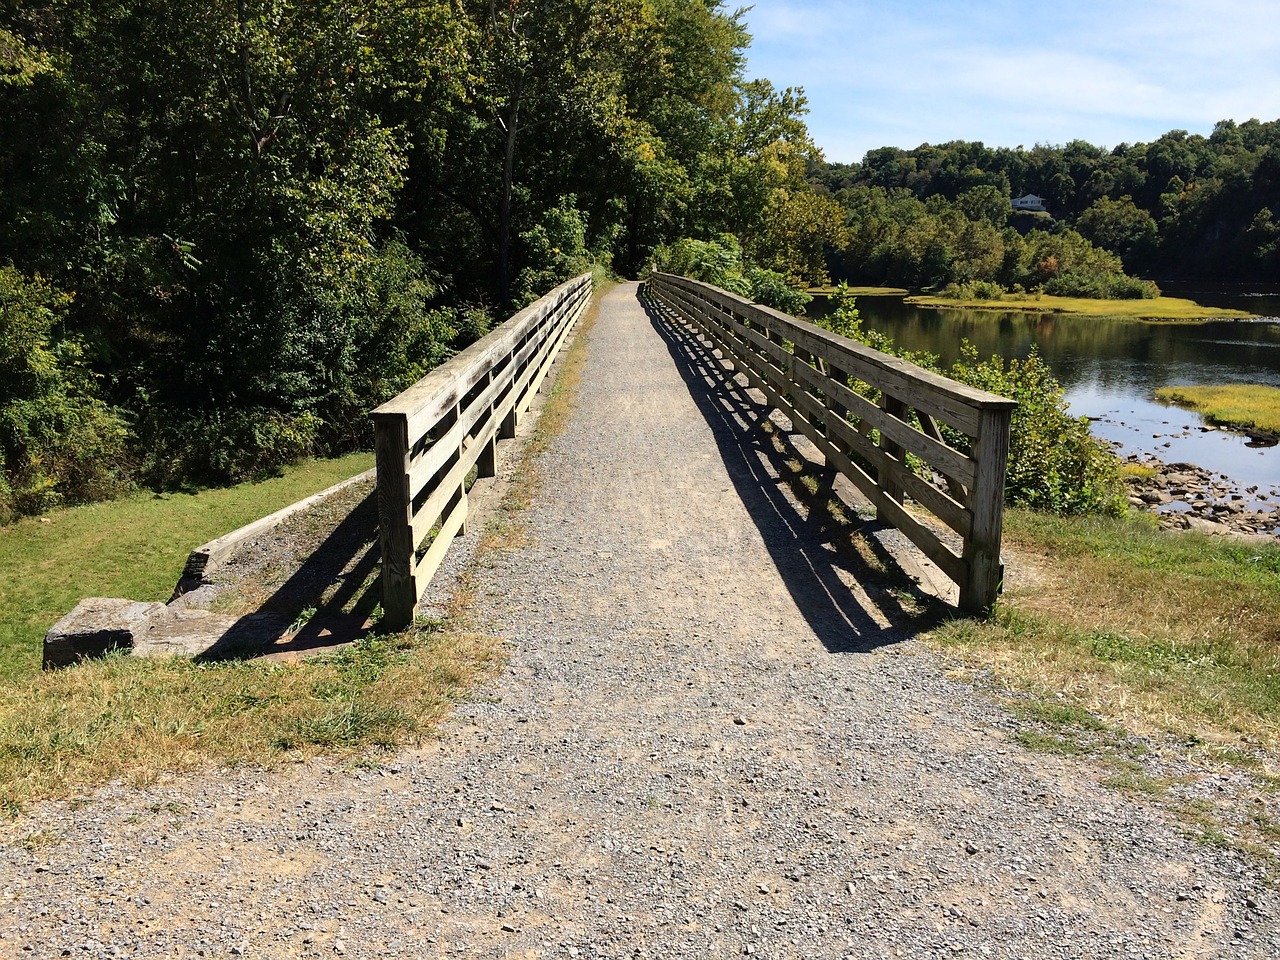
[
  {"x": 807, "y": 373},
  {"x": 429, "y": 438}
]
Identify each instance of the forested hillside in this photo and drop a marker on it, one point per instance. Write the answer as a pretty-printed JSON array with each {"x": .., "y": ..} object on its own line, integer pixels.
[
  {"x": 230, "y": 227},
  {"x": 1184, "y": 206}
]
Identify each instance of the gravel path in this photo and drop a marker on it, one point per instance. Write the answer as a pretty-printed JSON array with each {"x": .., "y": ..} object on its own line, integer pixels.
[{"x": 709, "y": 742}]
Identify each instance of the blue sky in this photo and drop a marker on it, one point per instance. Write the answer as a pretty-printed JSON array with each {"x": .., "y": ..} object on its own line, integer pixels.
[{"x": 905, "y": 72}]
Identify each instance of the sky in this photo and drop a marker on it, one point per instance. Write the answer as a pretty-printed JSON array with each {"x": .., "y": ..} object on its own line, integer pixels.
[{"x": 905, "y": 72}]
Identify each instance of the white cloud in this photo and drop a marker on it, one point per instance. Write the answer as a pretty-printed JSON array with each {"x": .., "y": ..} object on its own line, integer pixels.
[{"x": 1009, "y": 73}]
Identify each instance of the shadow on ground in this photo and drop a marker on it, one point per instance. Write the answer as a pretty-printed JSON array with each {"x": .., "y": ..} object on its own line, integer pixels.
[
  {"x": 808, "y": 547},
  {"x": 323, "y": 603}
]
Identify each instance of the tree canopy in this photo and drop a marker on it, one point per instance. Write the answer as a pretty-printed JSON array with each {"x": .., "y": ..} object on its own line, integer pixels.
[{"x": 229, "y": 228}]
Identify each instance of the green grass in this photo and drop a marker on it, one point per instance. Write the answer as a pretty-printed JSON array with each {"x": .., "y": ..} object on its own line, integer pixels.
[
  {"x": 1159, "y": 309},
  {"x": 1237, "y": 405},
  {"x": 134, "y": 548},
  {"x": 136, "y": 719}
]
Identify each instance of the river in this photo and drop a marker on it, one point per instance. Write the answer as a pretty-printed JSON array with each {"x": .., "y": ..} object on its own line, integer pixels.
[{"x": 1110, "y": 369}]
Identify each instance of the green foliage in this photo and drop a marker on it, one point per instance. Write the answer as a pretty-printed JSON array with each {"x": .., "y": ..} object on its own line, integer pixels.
[
  {"x": 1181, "y": 205},
  {"x": 1055, "y": 464},
  {"x": 276, "y": 214},
  {"x": 896, "y": 238},
  {"x": 555, "y": 250},
  {"x": 59, "y": 442},
  {"x": 720, "y": 262},
  {"x": 772, "y": 289}
]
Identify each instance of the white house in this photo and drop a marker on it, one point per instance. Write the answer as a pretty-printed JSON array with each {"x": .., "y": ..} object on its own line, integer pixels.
[{"x": 1030, "y": 202}]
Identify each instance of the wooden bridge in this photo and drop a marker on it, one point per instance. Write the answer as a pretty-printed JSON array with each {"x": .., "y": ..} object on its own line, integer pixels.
[{"x": 929, "y": 453}]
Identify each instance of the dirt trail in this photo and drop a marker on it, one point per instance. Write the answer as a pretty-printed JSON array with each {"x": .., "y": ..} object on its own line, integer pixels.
[{"x": 711, "y": 741}]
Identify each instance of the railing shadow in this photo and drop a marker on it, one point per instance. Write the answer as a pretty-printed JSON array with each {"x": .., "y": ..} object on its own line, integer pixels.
[
  {"x": 801, "y": 543},
  {"x": 342, "y": 566}
]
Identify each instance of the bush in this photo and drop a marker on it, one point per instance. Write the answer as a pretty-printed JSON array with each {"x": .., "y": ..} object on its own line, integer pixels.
[
  {"x": 555, "y": 250},
  {"x": 59, "y": 442},
  {"x": 973, "y": 290},
  {"x": 1055, "y": 463},
  {"x": 770, "y": 288},
  {"x": 1102, "y": 287},
  {"x": 719, "y": 262}
]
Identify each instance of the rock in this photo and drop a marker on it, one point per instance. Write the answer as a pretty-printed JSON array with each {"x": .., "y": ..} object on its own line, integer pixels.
[
  {"x": 1200, "y": 525},
  {"x": 96, "y": 626}
]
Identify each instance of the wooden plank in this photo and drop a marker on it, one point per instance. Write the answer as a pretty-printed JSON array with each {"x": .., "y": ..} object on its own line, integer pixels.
[
  {"x": 431, "y": 560},
  {"x": 945, "y": 459},
  {"x": 930, "y": 429},
  {"x": 894, "y": 513},
  {"x": 849, "y": 441}
]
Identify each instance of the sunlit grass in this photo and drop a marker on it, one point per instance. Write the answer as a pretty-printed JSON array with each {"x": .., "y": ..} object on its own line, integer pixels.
[
  {"x": 1237, "y": 405},
  {"x": 133, "y": 548},
  {"x": 1150, "y": 629},
  {"x": 1159, "y": 309}
]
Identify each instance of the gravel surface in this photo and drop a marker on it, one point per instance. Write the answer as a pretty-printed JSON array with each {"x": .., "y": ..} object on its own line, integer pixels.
[{"x": 709, "y": 742}]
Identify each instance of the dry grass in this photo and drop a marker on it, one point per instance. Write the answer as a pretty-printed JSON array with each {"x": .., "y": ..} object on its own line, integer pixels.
[
  {"x": 1237, "y": 405},
  {"x": 1150, "y": 629},
  {"x": 139, "y": 719}
]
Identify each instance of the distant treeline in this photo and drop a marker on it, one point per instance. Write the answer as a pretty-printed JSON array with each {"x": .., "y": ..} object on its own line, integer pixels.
[
  {"x": 1184, "y": 206},
  {"x": 228, "y": 228}
]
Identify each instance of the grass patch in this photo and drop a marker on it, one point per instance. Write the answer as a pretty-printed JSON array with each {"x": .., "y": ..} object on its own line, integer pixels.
[
  {"x": 1145, "y": 628},
  {"x": 1159, "y": 309},
  {"x": 134, "y": 547},
  {"x": 829, "y": 289},
  {"x": 1139, "y": 471},
  {"x": 1239, "y": 406},
  {"x": 136, "y": 719}
]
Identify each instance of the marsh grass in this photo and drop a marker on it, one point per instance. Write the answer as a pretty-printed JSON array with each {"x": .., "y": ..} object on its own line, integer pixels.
[
  {"x": 1237, "y": 405},
  {"x": 1156, "y": 310}
]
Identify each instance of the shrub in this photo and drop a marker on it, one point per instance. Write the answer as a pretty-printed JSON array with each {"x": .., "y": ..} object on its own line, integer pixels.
[
  {"x": 770, "y": 288},
  {"x": 720, "y": 263},
  {"x": 1055, "y": 463}
]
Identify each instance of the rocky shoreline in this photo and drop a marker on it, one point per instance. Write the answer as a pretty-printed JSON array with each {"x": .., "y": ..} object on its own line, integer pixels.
[{"x": 1187, "y": 497}]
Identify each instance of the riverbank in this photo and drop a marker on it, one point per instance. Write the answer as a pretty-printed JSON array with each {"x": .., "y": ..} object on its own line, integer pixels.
[
  {"x": 1158, "y": 310},
  {"x": 828, "y": 290},
  {"x": 1183, "y": 496}
]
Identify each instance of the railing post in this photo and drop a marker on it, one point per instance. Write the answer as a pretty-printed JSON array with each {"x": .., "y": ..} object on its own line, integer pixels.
[
  {"x": 982, "y": 547},
  {"x": 395, "y": 534}
]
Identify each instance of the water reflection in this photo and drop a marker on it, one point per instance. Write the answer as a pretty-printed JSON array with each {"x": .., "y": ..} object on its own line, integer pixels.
[{"x": 1111, "y": 369}]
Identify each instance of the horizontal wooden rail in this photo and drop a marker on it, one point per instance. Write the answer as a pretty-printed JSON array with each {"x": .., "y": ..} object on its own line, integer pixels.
[
  {"x": 428, "y": 439},
  {"x": 809, "y": 374}
]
